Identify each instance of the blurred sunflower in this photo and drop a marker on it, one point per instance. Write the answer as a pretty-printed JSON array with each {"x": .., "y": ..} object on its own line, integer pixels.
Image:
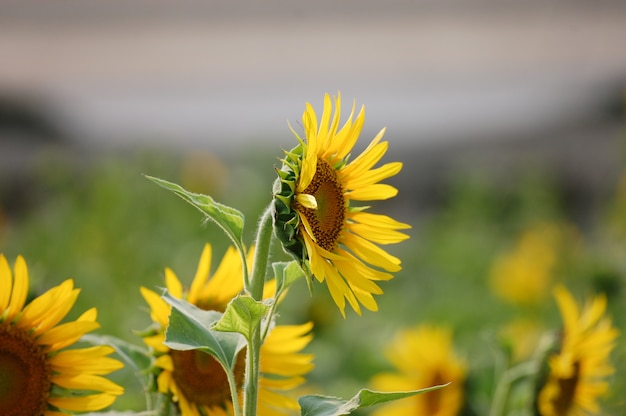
[
  {"x": 578, "y": 371},
  {"x": 195, "y": 380},
  {"x": 38, "y": 375},
  {"x": 314, "y": 216},
  {"x": 525, "y": 274},
  {"x": 423, "y": 357}
]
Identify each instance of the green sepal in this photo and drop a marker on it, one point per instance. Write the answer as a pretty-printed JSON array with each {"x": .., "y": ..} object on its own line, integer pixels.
[
  {"x": 230, "y": 220},
  {"x": 243, "y": 315},
  {"x": 318, "y": 405},
  {"x": 190, "y": 329}
]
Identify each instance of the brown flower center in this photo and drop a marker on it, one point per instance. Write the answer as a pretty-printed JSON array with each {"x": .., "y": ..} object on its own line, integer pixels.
[
  {"x": 433, "y": 400},
  {"x": 24, "y": 373},
  {"x": 202, "y": 379},
  {"x": 567, "y": 392},
  {"x": 327, "y": 221}
]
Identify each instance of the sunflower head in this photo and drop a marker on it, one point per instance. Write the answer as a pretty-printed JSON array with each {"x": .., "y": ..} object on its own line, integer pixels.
[
  {"x": 38, "y": 374},
  {"x": 578, "y": 369},
  {"x": 194, "y": 380},
  {"x": 316, "y": 216},
  {"x": 423, "y": 357}
]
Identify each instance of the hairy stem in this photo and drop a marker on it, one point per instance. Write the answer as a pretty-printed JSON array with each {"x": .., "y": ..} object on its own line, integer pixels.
[{"x": 255, "y": 288}]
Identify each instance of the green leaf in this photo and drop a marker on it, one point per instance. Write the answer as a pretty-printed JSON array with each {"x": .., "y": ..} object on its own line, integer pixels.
[
  {"x": 227, "y": 218},
  {"x": 190, "y": 329},
  {"x": 318, "y": 405},
  {"x": 286, "y": 273},
  {"x": 243, "y": 315}
]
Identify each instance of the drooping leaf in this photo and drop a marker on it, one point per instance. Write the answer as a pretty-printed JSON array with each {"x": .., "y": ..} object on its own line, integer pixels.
[
  {"x": 318, "y": 405},
  {"x": 190, "y": 329},
  {"x": 227, "y": 218},
  {"x": 242, "y": 315}
]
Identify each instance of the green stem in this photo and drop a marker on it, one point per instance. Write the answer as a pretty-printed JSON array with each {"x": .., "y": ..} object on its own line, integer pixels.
[
  {"x": 255, "y": 288},
  {"x": 233, "y": 392},
  {"x": 261, "y": 254},
  {"x": 504, "y": 384},
  {"x": 252, "y": 374}
]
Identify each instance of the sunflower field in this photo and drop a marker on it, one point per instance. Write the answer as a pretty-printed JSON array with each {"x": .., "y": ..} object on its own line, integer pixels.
[{"x": 506, "y": 295}]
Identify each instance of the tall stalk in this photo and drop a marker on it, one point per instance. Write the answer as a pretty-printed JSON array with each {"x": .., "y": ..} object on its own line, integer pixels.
[{"x": 255, "y": 288}]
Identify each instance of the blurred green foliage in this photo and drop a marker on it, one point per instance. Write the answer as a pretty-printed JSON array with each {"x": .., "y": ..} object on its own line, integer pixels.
[{"x": 99, "y": 221}]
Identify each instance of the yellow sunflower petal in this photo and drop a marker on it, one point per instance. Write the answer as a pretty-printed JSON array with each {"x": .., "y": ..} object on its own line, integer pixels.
[
  {"x": 83, "y": 404},
  {"x": 366, "y": 299},
  {"x": 339, "y": 289},
  {"x": 593, "y": 312},
  {"x": 287, "y": 365},
  {"x": 202, "y": 274},
  {"x": 6, "y": 283},
  {"x": 65, "y": 302},
  {"x": 173, "y": 284},
  {"x": 278, "y": 401},
  {"x": 323, "y": 132},
  {"x": 378, "y": 235},
  {"x": 372, "y": 176},
  {"x": 20, "y": 288},
  {"x": 349, "y": 134},
  {"x": 37, "y": 310},
  {"x": 377, "y": 220},
  {"x": 288, "y": 338},
  {"x": 66, "y": 334},
  {"x": 355, "y": 279},
  {"x": 269, "y": 289},
  {"x": 361, "y": 268},
  {"x": 372, "y": 253},
  {"x": 87, "y": 382},
  {"x": 307, "y": 201},
  {"x": 368, "y": 158},
  {"x": 91, "y": 360},
  {"x": 286, "y": 383},
  {"x": 159, "y": 309},
  {"x": 307, "y": 172},
  {"x": 222, "y": 287},
  {"x": 288, "y": 346},
  {"x": 164, "y": 381},
  {"x": 90, "y": 314},
  {"x": 567, "y": 305},
  {"x": 392, "y": 382},
  {"x": 156, "y": 342},
  {"x": 186, "y": 408},
  {"x": 217, "y": 411},
  {"x": 376, "y": 192},
  {"x": 165, "y": 362},
  {"x": 309, "y": 122}
]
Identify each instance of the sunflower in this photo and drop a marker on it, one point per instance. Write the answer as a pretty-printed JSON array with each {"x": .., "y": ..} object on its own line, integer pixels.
[
  {"x": 196, "y": 381},
  {"x": 578, "y": 371},
  {"x": 524, "y": 275},
  {"x": 38, "y": 374},
  {"x": 314, "y": 214},
  {"x": 423, "y": 357}
]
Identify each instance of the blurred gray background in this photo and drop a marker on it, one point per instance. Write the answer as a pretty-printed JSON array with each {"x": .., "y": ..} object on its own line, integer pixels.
[{"x": 472, "y": 81}]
